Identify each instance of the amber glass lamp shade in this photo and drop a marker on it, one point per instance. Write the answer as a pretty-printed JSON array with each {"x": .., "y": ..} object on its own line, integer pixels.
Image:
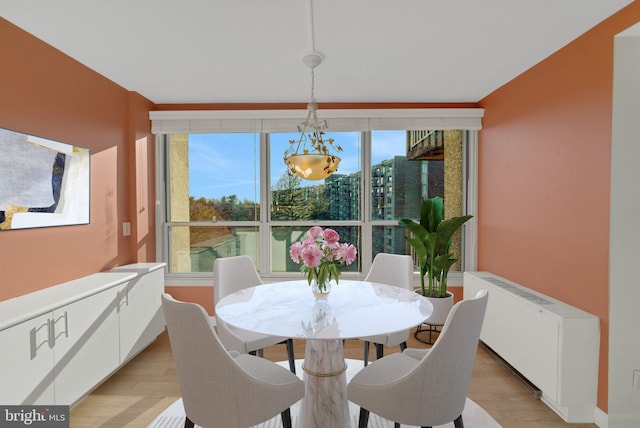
[{"x": 312, "y": 166}]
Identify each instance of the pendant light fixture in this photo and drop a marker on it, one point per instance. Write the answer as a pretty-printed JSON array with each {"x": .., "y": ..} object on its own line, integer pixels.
[{"x": 310, "y": 156}]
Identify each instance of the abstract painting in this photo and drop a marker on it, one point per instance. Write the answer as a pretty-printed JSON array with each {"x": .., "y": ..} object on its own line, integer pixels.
[{"x": 43, "y": 182}]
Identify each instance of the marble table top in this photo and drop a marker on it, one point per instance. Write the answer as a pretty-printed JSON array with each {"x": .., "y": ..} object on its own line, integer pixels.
[{"x": 353, "y": 309}]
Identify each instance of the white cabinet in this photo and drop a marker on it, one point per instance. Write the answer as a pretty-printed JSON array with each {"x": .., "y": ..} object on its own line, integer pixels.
[
  {"x": 140, "y": 308},
  {"x": 55, "y": 358},
  {"x": 26, "y": 362},
  {"x": 86, "y": 344},
  {"x": 59, "y": 343}
]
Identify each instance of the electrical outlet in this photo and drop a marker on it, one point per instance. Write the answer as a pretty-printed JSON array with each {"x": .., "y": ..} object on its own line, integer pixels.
[
  {"x": 126, "y": 229},
  {"x": 636, "y": 379}
]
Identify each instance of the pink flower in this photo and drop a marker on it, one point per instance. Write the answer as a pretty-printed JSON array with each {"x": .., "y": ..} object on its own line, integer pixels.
[
  {"x": 352, "y": 253},
  {"x": 331, "y": 236},
  {"x": 321, "y": 253},
  {"x": 294, "y": 251},
  {"x": 330, "y": 248},
  {"x": 315, "y": 232},
  {"x": 311, "y": 256},
  {"x": 347, "y": 252},
  {"x": 342, "y": 250},
  {"x": 333, "y": 254}
]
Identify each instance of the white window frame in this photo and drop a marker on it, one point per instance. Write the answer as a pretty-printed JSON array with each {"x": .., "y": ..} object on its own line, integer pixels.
[{"x": 269, "y": 121}]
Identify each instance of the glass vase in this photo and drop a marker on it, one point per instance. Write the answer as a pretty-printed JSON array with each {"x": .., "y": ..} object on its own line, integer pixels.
[{"x": 320, "y": 290}]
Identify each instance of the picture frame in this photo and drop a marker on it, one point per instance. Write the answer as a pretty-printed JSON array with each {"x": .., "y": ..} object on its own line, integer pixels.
[{"x": 43, "y": 183}]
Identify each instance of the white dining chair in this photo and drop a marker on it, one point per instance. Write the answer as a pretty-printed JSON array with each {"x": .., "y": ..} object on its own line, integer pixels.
[
  {"x": 221, "y": 388},
  {"x": 231, "y": 274},
  {"x": 391, "y": 269},
  {"x": 424, "y": 387}
]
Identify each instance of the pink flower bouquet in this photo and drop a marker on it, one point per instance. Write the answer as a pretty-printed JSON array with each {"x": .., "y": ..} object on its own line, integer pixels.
[{"x": 321, "y": 253}]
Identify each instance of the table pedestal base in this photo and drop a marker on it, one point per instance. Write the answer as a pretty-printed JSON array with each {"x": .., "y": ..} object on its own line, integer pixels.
[{"x": 325, "y": 401}]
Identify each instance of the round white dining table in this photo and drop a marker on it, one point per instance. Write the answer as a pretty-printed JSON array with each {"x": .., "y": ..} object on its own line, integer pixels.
[{"x": 354, "y": 309}]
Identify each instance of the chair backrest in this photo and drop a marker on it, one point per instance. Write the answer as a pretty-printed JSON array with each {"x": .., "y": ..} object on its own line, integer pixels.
[
  {"x": 205, "y": 369},
  {"x": 392, "y": 269},
  {"x": 441, "y": 380},
  {"x": 231, "y": 274},
  {"x": 216, "y": 391}
]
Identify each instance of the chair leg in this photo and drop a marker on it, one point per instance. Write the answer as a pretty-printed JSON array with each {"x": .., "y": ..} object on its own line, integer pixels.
[
  {"x": 403, "y": 346},
  {"x": 259, "y": 353},
  {"x": 363, "y": 420},
  {"x": 379, "y": 350},
  {"x": 366, "y": 353},
  {"x": 286, "y": 418},
  {"x": 188, "y": 423},
  {"x": 292, "y": 359},
  {"x": 458, "y": 422}
]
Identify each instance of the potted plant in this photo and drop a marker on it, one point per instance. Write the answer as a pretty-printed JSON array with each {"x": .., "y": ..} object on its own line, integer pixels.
[{"x": 431, "y": 239}]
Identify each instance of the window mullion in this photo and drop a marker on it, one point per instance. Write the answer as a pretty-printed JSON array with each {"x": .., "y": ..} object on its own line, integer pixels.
[
  {"x": 265, "y": 203},
  {"x": 365, "y": 208},
  {"x": 162, "y": 192},
  {"x": 470, "y": 229}
]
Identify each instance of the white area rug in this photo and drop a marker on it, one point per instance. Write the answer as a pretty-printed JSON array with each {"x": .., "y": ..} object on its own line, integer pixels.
[{"x": 473, "y": 415}]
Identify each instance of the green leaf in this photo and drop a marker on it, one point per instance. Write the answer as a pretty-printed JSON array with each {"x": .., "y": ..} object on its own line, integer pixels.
[
  {"x": 445, "y": 231},
  {"x": 440, "y": 263},
  {"x": 417, "y": 229},
  {"x": 431, "y": 213},
  {"x": 418, "y": 246}
]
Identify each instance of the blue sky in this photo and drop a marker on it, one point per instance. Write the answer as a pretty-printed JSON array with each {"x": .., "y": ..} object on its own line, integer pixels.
[{"x": 226, "y": 164}]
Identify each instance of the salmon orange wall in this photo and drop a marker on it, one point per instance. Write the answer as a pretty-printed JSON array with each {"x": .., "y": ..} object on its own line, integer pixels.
[
  {"x": 48, "y": 94},
  {"x": 544, "y": 168}
]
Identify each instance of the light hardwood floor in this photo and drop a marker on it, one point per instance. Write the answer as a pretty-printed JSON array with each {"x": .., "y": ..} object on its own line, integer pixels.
[{"x": 148, "y": 384}]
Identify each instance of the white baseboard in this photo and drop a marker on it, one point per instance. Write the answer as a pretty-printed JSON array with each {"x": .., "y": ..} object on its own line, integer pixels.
[{"x": 601, "y": 418}]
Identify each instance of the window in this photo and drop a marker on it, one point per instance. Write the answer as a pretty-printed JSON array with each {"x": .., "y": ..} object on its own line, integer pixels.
[
  {"x": 403, "y": 175},
  {"x": 229, "y": 193},
  {"x": 334, "y": 202}
]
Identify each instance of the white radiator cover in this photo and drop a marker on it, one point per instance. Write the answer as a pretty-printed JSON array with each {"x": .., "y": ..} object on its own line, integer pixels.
[{"x": 552, "y": 344}]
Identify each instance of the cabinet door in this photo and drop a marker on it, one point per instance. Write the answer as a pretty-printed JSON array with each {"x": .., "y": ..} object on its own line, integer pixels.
[
  {"x": 141, "y": 318},
  {"x": 86, "y": 345},
  {"x": 26, "y": 363}
]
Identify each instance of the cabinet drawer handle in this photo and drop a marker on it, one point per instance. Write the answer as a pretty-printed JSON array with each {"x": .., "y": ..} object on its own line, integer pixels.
[
  {"x": 33, "y": 339},
  {"x": 54, "y": 335},
  {"x": 123, "y": 298}
]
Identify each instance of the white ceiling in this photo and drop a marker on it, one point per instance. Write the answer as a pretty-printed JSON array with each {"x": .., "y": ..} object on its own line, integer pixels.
[{"x": 245, "y": 51}]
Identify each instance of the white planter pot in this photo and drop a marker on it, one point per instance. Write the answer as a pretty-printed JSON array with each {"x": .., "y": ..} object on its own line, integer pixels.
[{"x": 441, "y": 308}]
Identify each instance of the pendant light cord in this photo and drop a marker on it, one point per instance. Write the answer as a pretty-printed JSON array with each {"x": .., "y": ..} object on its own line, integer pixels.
[
  {"x": 313, "y": 48},
  {"x": 313, "y": 99},
  {"x": 313, "y": 41}
]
